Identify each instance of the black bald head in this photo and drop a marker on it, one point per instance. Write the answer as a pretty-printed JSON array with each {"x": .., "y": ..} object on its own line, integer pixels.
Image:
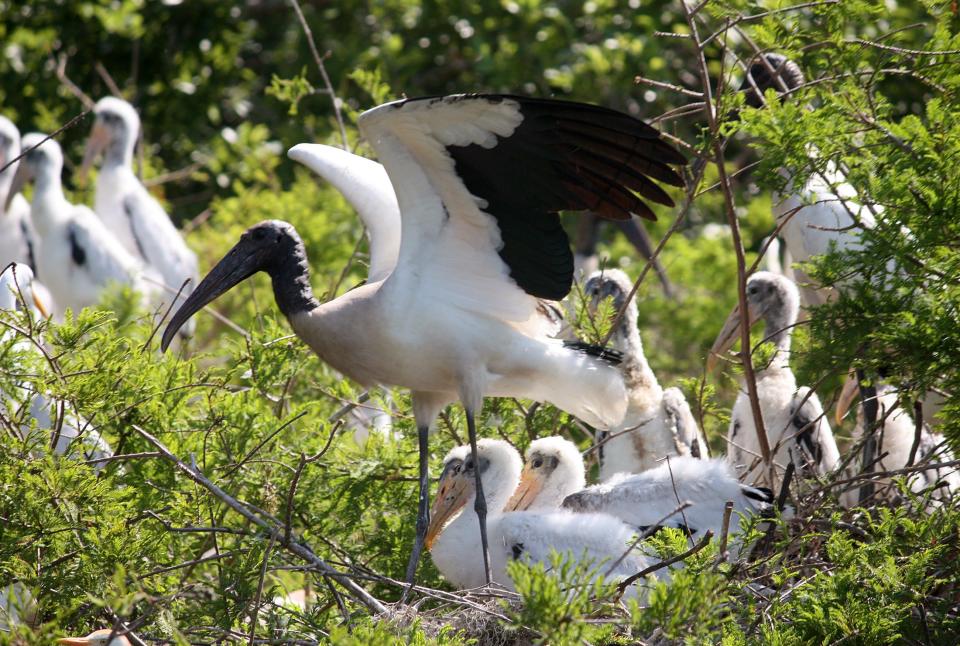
[
  {"x": 273, "y": 247},
  {"x": 767, "y": 71}
]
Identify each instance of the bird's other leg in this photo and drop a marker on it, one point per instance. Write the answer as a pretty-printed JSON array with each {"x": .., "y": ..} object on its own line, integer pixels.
[
  {"x": 423, "y": 507},
  {"x": 480, "y": 505}
]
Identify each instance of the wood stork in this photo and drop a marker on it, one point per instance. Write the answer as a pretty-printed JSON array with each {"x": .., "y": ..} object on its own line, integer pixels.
[
  {"x": 825, "y": 212},
  {"x": 76, "y": 437},
  {"x": 553, "y": 476},
  {"x": 454, "y": 540},
  {"x": 479, "y": 180},
  {"x": 658, "y": 422},
  {"x": 121, "y": 200},
  {"x": 18, "y": 241},
  {"x": 896, "y": 433},
  {"x": 793, "y": 417},
  {"x": 79, "y": 256},
  {"x": 102, "y": 637}
]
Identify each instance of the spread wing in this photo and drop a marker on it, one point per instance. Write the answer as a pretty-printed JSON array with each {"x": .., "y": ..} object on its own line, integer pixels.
[
  {"x": 480, "y": 180},
  {"x": 365, "y": 184}
]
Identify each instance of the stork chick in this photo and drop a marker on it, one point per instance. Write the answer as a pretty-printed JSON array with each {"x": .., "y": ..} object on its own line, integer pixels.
[
  {"x": 793, "y": 418},
  {"x": 79, "y": 256},
  {"x": 529, "y": 535},
  {"x": 18, "y": 240},
  {"x": 658, "y": 422}
]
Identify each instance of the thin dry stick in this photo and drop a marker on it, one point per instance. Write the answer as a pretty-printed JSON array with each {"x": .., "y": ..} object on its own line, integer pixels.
[
  {"x": 69, "y": 124},
  {"x": 323, "y": 72},
  {"x": 74, "y": 89},
  {"x": 720, "y": 162},
  {"x": 259, "y": 594},
  {"x": 725, "y": 531},
  {"x": 194, "y": 473},
  {"x": 665, "y": 563},
  {"x": 648, "y": 532}
]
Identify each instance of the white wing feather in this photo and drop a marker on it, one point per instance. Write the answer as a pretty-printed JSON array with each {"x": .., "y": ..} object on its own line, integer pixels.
[{"x": 365, "y": 184}]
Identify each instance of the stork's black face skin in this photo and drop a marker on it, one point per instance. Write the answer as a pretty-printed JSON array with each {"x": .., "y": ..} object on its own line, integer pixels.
[
  {"x": 272, "y": 246},
  {"x": 598, "y": 289}
]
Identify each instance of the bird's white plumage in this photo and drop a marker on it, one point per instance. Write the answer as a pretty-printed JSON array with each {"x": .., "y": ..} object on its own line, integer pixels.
[
  {"x": 76, "y": 439},
  {"x": 793, "y": 416},
  {"x": 895, "y": 438},
  {"x": 366, "y": 186},
  {"x": 78, "y": 256},
  {"x": 564, "y": 474},
  {"x": 128, "y": 209},
  {"x": 644, "y": 499},
  {"x": 658, "y": 422},
  {"x": 527, "y": 535},
  {"x": 17, "y": 237}
]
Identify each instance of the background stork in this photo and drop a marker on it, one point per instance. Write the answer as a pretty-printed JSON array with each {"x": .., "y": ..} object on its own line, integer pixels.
[
  {"x": 17, "y": 238},
  {"x": 793, "y": 418},
  {"x": 79, "y": 257},
  {"x": 658, "y": 422},
  {"x": 453, "y": 539},
  {"x": 121, "y": 200},
  {"x": 479, "y": 180}
]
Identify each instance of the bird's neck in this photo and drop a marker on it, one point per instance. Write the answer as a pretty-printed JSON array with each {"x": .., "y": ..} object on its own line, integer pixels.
[
  {"x": 778, "y": 330},
  {"x": 48, "y": 199},
  {"x": 636, "y": 371},
  {"x": 119, "y": 152},
  {"x": 291, "y": 284}
]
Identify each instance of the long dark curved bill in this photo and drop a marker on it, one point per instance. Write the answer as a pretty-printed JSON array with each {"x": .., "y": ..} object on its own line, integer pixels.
[{"x": 241, "y": 262}]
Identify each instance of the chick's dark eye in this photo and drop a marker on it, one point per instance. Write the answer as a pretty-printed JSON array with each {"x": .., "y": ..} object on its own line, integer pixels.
[{"x": 537, "y": 463}]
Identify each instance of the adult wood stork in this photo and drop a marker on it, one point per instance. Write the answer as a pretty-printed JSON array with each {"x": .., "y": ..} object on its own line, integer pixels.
[
  {"x": 896, "y": 435},
  {"x": 479, "y": 180},
  {"x": 76, "y": 437},
  {"x": 17, "y": 238},
  {"x": 658, "y": 422},
  {"x": 825, "y": 212},
  {"x": 553, "y": 476},
  {"x": 793, "y": 417},
  {"x": 121, "y": 200},
  {"x": 102, "y": 637},
  {"x": 79, "y": 256},
  {"x": 453, "y": 538}
]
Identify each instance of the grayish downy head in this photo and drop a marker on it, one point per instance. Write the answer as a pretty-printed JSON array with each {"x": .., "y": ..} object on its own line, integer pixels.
[
  {"x": 41, "y": 163},
  {"x": 770, "y": 71},
  {"x": 616, "y": 285},
  {"x": 775, "y": 299},
  {"x": 115, "y": 131}
]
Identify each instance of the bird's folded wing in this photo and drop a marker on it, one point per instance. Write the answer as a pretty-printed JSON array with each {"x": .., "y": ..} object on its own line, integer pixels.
[
  {"x": 95, "y": 250},
  {"x": 158, "y": 240},
  {"x": 480, "y": 180}
]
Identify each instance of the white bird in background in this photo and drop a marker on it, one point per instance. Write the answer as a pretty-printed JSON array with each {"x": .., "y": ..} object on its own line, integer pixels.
[
  {"x": 553, "y": 477},
  {"x": 102, "y": 637},
  {"x": 453, "y": 537},
  {"x": 79, "y": 257},
  {"x": 896, "y": 434},
  {"x": 17, "y": 291},
  {"x": 124, "y": 204},
  {"x": 793, "y": 417},
  {"x": 658, "y": 422},
  {"x": 479, "y": 180},
  {"x": 17, "y": 238}
]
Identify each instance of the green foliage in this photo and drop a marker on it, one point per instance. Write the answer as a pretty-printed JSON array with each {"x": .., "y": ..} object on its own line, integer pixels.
[{"x": 217, "y": 84}]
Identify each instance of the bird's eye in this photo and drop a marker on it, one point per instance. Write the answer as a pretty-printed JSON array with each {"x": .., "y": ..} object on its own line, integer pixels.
[
  {"x": 537, "y": 463},
  {"x": 468, "y": 464}
]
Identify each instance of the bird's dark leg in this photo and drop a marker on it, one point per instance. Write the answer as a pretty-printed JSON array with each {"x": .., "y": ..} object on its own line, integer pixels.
[
  {"x": 423, "y": 509},
  {"x": 480, "y": 506},
  {"x": 868, "y": 399}
]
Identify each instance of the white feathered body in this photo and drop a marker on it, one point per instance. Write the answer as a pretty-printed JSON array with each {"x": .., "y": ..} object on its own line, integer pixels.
[
  {"x": 529, "y": 535},
  {"x": 895, "y": 439},
  {"x": 780, "y": 399},
  {"x": 643, "y": 500},
  {"x": 78, "y": 280},
  {"x": 16, "y": 233}
]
